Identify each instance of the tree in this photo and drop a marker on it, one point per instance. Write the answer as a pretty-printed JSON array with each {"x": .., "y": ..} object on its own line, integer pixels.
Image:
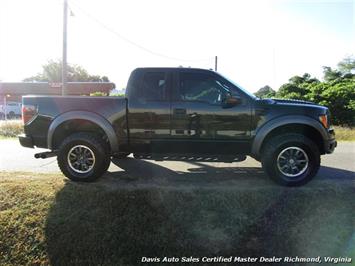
[
  {"x": 346, "y": 69},
  {"x": 315, "y": 93},
  {"x": 336, "y": 91},
  {"x": 265, "y": 92},
  {"x": 303, "y": 81},
  {"x": 52, "y": 72},
  {"x": 297, "y": 80},
  {"x": 291, "y": 91},
  {"x": 347, "y": 65},
  {"x": 331, "y": 74},
  {"x": 340, "y": 98},
  {"x": 298, "y": 87}
]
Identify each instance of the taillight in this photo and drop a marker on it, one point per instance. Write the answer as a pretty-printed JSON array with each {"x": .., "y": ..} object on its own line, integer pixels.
[{"x": 28, "y": 113}]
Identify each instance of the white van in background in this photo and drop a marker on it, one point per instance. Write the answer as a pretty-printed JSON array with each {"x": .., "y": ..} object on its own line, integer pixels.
[{"x": 13, "y": 110}]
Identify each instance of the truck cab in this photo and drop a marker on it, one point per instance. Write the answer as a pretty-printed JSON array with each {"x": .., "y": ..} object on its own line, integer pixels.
[{"x": 188, "y": 111}]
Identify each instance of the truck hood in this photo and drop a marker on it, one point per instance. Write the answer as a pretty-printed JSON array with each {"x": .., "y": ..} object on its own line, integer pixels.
[
  {"x": 292, "y": 106},
  {"x": 286, "y": 102},
  {"x": 291, "y": 101}
]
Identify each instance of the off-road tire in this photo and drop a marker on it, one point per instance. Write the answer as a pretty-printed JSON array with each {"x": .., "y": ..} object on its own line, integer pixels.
[
  {"x": 98, "y": 147},
  {"x": 274, "y": 147}
]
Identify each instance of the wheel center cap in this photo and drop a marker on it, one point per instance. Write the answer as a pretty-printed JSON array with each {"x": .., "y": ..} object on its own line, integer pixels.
[{"x": 291, "y": 161}]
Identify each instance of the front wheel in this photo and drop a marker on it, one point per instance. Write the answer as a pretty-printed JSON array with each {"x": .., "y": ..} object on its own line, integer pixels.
[
  {"x": 291, "y": 159},
  {"x": 83, "y": 157}
]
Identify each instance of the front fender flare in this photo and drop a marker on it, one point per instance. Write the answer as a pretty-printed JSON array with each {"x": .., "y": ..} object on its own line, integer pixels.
[
  {"x": 283, "y": 121},
  {"x": 83, "y": 115}
]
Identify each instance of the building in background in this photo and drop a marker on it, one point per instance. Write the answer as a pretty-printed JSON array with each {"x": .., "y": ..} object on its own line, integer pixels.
[{"x": 12, "y": 92}]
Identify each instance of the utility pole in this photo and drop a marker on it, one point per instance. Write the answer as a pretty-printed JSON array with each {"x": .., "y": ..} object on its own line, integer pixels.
[
  {"x": 5, "y": 107},
  {"x": 64, "y": 59},
  {"x": 215, "y": 63}
]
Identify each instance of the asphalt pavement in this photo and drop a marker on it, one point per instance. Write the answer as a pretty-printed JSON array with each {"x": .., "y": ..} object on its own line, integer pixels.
[{"x": 14, "y": 157}]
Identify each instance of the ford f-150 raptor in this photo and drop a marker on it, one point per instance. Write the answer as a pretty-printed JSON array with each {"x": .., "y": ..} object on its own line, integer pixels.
[{"x": 179, "y": 114}]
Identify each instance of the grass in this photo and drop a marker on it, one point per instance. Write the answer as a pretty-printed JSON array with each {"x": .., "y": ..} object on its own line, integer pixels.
[
  {"x": 344, "y": 133},
  {"x": 45, "y": 219},
  {"x": 12, "y": 128}
]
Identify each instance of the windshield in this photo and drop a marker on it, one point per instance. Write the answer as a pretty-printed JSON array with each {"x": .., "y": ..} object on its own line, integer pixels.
[{"x": 239, "y": 87}]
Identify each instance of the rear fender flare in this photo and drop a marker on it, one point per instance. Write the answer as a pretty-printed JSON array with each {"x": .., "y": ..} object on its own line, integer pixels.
[{"x": 83, "y": 115}]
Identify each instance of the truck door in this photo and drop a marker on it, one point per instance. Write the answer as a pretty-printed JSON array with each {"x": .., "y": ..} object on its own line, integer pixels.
[
  {"x": 201, "y": 121},
  {"x": 149, "y": 110}
]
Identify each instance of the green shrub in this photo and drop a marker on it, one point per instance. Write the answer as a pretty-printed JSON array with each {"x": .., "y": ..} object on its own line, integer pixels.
[
  {"x": 117, "y": 94},
  {"x": 98, "y": 93},
  {"x": 11, "y": 128}
]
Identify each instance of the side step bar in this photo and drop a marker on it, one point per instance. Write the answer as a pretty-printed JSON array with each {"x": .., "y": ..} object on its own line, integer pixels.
[
  {"x": 191, "y": 158},
  {"x": 46, "y": 154}
]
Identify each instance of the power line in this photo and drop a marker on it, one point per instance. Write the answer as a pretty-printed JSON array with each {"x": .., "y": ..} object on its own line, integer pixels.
[
  {"x": 64, "y": 58},
  {"x": 120, "y": 36}
]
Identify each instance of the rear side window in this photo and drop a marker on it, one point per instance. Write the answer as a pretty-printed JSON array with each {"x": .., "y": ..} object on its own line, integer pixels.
[{"x": 154, "y": 86}]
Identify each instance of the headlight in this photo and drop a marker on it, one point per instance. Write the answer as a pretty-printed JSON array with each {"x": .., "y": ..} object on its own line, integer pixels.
[{"x": 324, "y": 120}]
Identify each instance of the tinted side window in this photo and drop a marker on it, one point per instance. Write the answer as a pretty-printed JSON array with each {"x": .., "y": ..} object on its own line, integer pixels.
[
  {"x": 201, "y": 87},
  {"x": 154, "y": 86}
]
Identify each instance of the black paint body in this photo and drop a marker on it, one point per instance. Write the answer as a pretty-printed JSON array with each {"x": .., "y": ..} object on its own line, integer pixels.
[{"x": 172, "y": 125}]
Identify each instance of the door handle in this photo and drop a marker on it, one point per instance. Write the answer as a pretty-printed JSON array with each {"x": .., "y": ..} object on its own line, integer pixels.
[{"x": 179, "y": 111}]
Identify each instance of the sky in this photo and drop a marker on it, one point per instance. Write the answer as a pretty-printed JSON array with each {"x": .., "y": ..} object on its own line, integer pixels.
[{"x": 258, "y": 42}]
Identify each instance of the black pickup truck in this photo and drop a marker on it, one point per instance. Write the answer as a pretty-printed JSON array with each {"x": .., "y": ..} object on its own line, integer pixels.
[{"x": 181, "y": 114}]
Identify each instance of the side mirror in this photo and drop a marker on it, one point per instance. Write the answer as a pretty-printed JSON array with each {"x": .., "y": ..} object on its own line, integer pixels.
[{"x": 231, "y": 101}]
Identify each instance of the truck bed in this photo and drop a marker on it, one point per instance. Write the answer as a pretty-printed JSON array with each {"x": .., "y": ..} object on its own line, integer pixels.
[{"x": 112, "y": 109}]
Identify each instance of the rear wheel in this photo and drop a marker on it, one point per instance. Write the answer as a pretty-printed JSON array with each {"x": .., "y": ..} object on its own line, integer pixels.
[
  {"x": 291, "y": 159},
  {"x": 83, "y": 157}
]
